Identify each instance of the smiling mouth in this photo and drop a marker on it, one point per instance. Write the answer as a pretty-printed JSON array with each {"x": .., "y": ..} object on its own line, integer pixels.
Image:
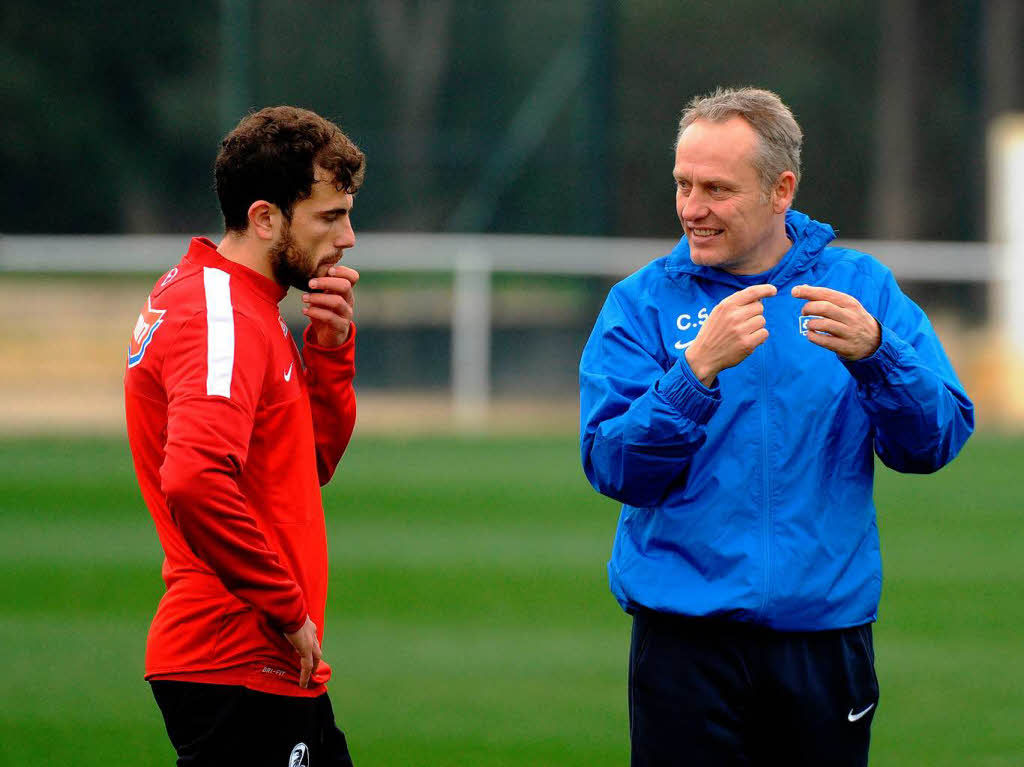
[{"x": 703, "y": 233}]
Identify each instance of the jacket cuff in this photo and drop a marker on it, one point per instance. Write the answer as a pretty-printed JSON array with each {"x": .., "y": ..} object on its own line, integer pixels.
[
  {"x": 309, "y": 342},
  {"x": 291, "y": 628},
  {"x": 336, "y": 362},
  {"x": 878, "y": 367},
  {"x": 681, "y": 389}
]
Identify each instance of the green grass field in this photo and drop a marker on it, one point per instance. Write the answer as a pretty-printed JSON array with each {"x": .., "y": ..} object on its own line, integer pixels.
[{"x": 469, "y": 620}]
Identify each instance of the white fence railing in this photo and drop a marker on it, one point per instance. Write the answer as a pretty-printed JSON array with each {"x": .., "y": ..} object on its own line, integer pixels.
[
  {"x": 609, "y": 256},
  {"x": 472, "y": 259}
]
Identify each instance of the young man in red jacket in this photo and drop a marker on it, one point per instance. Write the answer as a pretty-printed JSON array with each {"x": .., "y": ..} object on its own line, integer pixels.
[{"x": 233, "y": 432}]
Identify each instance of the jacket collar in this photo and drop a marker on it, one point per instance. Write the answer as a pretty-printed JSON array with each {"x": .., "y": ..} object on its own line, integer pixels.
[
  {"x": 203, "y": 252},
  {"x": 809, "y": 238}
]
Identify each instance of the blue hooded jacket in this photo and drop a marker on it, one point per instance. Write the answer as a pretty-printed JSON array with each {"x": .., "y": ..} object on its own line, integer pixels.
[{"x": 752, "y": 499}]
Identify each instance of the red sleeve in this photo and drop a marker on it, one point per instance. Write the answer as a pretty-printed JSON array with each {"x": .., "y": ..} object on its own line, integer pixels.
[
  {"x": 329, "y": 374},
  {"x": 207, "y": 444}
]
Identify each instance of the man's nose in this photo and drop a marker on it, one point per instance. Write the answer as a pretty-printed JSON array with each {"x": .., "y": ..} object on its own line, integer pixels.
[
  {"x": 346, "y": 237},
  {"x": 695, "y": 207}
]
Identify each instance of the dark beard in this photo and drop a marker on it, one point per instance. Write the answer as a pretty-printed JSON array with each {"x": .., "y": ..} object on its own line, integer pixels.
[{"x": 290, "y": 265}]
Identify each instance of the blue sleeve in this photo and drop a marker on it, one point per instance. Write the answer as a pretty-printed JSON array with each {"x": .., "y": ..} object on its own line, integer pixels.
[
  {"x": 640, "y": 424},
  {"x": 917, "y": 405}
]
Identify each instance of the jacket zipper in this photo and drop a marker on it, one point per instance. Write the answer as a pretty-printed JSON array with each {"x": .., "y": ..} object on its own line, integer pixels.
[{"x": 766, "y": 485}]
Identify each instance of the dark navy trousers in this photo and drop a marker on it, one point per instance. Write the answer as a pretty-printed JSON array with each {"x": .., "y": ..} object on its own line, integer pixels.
[{"x": 707, "y": 691}]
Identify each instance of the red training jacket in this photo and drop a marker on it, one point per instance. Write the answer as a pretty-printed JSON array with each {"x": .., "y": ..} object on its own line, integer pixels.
[{"x": 232, "y": 433}]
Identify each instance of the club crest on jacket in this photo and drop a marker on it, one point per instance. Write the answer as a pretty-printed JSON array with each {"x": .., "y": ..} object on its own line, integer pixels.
[{"x": 149, "y": 320}]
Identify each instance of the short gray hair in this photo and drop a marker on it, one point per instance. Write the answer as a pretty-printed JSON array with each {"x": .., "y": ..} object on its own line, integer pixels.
[{"x": 773, "y": 122}]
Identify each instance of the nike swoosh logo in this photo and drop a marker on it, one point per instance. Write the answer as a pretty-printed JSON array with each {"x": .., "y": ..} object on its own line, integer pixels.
[
  {"x": 854, "y": 717},
  {"x": 288, "y": 375},
  {"x": 681, "y": 345}
]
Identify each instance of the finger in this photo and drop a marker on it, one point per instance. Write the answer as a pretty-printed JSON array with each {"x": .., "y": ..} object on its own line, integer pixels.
[
  {"x": 817, "y": 292},
  {"x": 824, "y": 325},
  {"x": 746, "y": 311},
  {"x": 739, "y": 312},
  {"x": 341, "y": 309},
  {"x": 757, "y": 338},
  {"x": 333, "y": 302},
  {"x": 833, "y": 343},
  {"x": 307, "y": 670},
  {"x": 347, "y": 272},
  {"x": 333, "y": 319},
  {"x": 823, "y": 309},
  {"x": 317, "y": 655},
  {"x": 752, "y": 293},
  {"x": 331, "y": 284},
  {"x": 338, "y": 272},
  {"x": 753, "y": 324}
]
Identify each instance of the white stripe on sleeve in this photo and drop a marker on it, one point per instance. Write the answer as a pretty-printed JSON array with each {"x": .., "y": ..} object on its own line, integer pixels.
[{"x": 220, "y": 332}]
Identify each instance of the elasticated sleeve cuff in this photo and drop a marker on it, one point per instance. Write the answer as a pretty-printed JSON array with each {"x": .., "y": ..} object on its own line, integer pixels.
[
  {"x": 343, "y": 353},
  {"x": 295, "y": 625},
  {"x": 681, "y": 389},
  {"x": 879, "y": 366},
  {"x": 324, "y": 364}
]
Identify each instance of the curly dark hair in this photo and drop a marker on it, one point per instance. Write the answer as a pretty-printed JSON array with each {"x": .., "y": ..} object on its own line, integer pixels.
[{"x": 270, "y": 155}]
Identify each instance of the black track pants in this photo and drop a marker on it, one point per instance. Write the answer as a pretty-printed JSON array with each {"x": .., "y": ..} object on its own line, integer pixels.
[
  {"x": 721, "y": 693},
  {"x": 212, "y": 724}
]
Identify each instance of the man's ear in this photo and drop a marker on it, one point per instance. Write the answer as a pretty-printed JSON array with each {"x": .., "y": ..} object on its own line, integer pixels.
[
  {"x": 785, "y": 189},
  {"x": 265, "y": 219}
]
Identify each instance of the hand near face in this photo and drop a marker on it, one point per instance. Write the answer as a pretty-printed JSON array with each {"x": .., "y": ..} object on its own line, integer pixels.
[
  {"x": 330, "y": 310},
  {"x": 853, "y": 334},
  {"x": 735, "y": 327}
]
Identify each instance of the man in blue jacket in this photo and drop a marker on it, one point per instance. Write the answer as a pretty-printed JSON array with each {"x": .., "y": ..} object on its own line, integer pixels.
[{"x": 733, "y": 395}]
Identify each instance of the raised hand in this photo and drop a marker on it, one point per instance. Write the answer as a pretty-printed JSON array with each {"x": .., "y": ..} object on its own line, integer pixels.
[
  {"x": 840, "y": 323},
  {"x": 735, "y": 327},
  {"x": 331, "y": 307}
]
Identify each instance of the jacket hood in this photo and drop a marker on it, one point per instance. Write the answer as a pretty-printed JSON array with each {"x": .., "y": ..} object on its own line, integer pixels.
[{"x": 809, "y": 238}]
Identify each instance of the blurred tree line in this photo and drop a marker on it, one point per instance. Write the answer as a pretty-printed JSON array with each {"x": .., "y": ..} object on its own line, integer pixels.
[{"x": 543, "y": 116}]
